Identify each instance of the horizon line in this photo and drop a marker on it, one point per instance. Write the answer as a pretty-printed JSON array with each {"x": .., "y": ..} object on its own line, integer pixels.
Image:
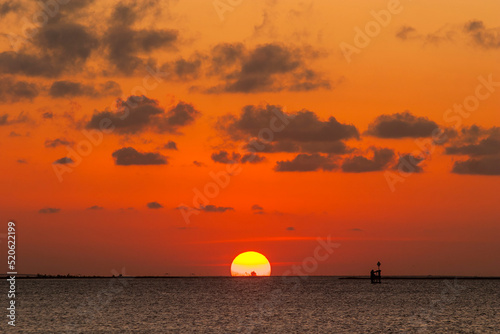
[{"x": 429, "y": 276}]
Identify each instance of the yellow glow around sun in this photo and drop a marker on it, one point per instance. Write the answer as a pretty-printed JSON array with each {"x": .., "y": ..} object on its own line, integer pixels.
[{"x": 250, "y": 264}]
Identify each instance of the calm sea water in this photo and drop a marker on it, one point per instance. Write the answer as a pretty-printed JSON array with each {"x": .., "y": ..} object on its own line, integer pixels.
[{"x": 255, "y": 305}]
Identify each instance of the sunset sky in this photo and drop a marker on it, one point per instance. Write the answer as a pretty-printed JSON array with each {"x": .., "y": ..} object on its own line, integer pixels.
[{"x": 154, "y": 137}]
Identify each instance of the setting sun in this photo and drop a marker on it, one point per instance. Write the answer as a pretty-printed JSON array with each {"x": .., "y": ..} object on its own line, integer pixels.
[{"x": 250, "y": 264}]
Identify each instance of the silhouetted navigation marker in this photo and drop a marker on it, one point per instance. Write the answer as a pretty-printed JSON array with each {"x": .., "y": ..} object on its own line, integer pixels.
[{"x": 375, "y": 276}]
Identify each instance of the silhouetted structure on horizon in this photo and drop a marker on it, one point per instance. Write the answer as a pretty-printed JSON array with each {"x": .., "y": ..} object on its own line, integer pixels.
[{"x": 375, "y": 275}]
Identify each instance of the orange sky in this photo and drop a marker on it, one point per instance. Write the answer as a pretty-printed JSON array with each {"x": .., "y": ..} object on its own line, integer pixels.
[{"x": 91, "y": 215}]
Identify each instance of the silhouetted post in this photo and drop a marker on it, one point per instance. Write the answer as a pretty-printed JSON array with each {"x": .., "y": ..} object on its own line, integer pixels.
[{"x": 379, "y": 273}]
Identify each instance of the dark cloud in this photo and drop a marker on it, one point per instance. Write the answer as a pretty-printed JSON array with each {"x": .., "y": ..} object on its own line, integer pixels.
[
  {"x": 252, "y": 158},
  {"x": 74, "y": 7},
  {"x": 139, "y": 113},
  {"x": 66, "y": 42},
  {"x": 225, "y": 157},
  {"x": 489, "y": 165},
  {"x": 48, "y": 115},
  {"x": 9, "y": 7},
  {"x": 29, "y": 65},
  {"x": 443, "y": 34},
  {"x": 306, "y": 163},
  {"x": 154, "y": 205},
  {"x": 273, "y": 147},
  {"x": 60, "y": 46},
  {"x": 475, "y": 141},
  {"x": 487, "y": 146},
  {"x": 269, "y": 67},
  {"x": 257, "y": 70},
  {"x": 474, "y": 25},
  {"x": 301, "y": 131},
  {"x": 405, "y": 32},
  {"x": 304, "y": 126},
  {"x": 125, "y": 46},
  {"x": 57, "y": 142},
  {"x": 257, "y": 207},
  {"x": 198, "y": 163},
  {"x": 360, "y": 164},
  {"x": 356, "y": 230},
  {"x": 475, "y": 30},
  {"x": 132, "y": 115},
  {"x": 475, "y": 132},
  {"x": 180, "y": 115},
  {"x": 187, "y": 68},
  {"x": 488, "y": 38},
  {"x": 63, "y": 161},
  {"x": 440, "y": 36},
  {"x": 129, "y": 12},
  {"x": 213, "y": 208},
  {"x": 171, "y": 145},
  {"x": 401, "y": 125},
  {"x": 124, "y": 14},
  {"x": 127, "y": 49},
  {"x": 334, "y": 147},
  {"x": 226, "y": 56},
  {"x": 49, "y": 210},
  {"x": 21, "y": 161},
  {"x": 309, "y": 80},
  {"x": 408, "y": 163},
  {"x": 14, "y": 91},
  {"x": 73, "y": 89},
  {"x": 63, "y": 46},
  {"x": 209, "y": 208},
  {"x": 14, "y": 134},
  {"x": 5, "y": 119},
  {"x": 290, "y": 228},
  {"x": 472, "y": 133},
  {"x": 184, "y": 69},
  {"x": 128, "y": 156},
  {"x": 95, "y": 207},
  {"x": 481, "y": 145}
]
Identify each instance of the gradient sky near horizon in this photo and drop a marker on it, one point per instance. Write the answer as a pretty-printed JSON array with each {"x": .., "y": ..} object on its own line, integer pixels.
[{"x": 154, "y": 137}]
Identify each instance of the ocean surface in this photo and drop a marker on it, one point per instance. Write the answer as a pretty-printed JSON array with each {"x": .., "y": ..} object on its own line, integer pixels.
[{"x": 254, "y": 305}]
